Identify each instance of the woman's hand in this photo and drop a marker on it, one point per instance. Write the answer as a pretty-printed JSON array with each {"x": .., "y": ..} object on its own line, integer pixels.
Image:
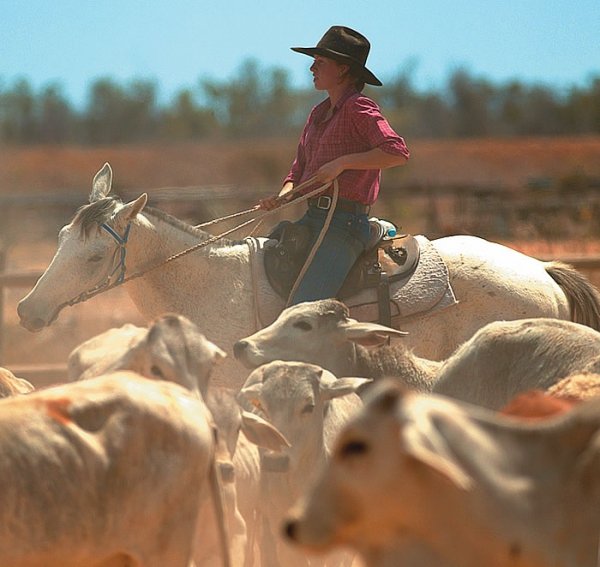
[
  {"x": 269, "y": 203},
  {"x": 329, "y": 171}
]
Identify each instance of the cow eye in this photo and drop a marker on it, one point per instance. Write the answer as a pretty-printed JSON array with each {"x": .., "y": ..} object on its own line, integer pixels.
[
  {"x": 258, "y": 406},
  {"x": 308, "y": 408},
  {"x": 156, "y": 371},
  {"x": 303, "y": 325},
  {"x": 353, "y": 448}
]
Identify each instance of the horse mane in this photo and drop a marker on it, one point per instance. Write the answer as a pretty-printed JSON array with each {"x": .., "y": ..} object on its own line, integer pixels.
[
  {"x": 184, "y": 226},
  {"x": 89, "y": 216}
]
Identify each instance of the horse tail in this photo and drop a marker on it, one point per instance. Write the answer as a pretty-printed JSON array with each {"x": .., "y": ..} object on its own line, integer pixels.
[{"x": 583, "y": 296}]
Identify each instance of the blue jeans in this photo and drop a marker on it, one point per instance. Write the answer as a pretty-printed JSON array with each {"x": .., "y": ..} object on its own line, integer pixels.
[{"x": 343, "y": 243}]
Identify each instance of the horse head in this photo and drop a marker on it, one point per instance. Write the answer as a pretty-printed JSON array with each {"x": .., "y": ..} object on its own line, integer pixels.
[{"x": 91, "y": 252}]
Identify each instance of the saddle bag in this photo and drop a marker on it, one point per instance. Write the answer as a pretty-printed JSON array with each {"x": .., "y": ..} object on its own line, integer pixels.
[
  {"x": 289, "y": 245},
  {"x": 285, "y": 253}
]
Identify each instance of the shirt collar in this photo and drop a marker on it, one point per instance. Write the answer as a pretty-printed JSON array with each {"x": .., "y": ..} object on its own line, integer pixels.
[
  {"x": 326, "y": 104},
  {"x": 347, "y": 94}
]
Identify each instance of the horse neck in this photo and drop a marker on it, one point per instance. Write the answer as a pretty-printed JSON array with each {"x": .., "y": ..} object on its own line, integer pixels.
[
  {"x": 203, "y": 273},
  {"x": 155, "y": 238}
]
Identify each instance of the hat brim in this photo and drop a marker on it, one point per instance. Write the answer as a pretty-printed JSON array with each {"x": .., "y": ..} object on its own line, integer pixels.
[{"x": 366, "y": 75}]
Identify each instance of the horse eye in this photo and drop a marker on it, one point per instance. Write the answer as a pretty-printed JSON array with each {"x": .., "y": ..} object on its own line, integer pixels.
[
  {"x": 308, "y": 408},
  {"x": 95, "y": 258},
  {"x": 156, "y": 371},
  {"x": 303, "y": 325},
  {"x": 353, "y": 448}
]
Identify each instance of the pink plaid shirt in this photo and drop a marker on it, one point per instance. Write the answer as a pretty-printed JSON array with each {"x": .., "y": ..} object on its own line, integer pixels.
[{"x": 356, "y": 126}]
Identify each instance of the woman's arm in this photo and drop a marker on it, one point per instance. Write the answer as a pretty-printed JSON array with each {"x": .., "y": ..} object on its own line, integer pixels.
[{"x": 372, "y": 159}]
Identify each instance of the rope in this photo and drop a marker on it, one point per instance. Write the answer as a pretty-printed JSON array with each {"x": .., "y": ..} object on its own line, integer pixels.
[
  {"x": 227, "y": 217},
  {"x": 317, "y": 243},
  {"x": 283, "y": 199},
  {"x": 107, "y": 286}
]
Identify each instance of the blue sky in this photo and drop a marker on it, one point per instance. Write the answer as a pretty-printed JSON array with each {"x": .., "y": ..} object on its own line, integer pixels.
[{"x": 176, "y": 42}]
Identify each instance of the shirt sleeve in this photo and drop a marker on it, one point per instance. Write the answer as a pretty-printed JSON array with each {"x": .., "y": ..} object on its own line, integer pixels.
[
  {"x": 376, "y": 129},
  {"x": 296, "y": 171}
]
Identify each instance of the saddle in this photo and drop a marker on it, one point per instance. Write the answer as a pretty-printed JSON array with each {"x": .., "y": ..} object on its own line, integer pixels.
[{"x": 385, "y": 259}]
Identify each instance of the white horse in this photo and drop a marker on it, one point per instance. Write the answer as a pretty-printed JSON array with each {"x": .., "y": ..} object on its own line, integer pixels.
[{"x": 217, "y": 286}]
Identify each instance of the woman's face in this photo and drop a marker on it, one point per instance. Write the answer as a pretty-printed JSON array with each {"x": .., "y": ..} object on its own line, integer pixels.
[{"x": 328, "y": 73}]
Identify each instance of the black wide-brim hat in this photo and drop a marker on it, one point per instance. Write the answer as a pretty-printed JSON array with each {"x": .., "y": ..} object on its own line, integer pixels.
[{"x": 346, "y": 46}]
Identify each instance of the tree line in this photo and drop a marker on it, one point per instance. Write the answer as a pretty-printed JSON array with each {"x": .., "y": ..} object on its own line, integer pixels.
[{"x": 260, "y": 102}]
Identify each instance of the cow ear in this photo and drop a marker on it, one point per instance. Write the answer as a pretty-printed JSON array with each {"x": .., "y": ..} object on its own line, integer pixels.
[
  {"x": 262, "y": 433},
  {"x": 134, "y": 359},
  {"x": 426, "y": 456},
  {"x": 384, "y": 396},
  {"x": 217, "y": 353},
  {"x": 250, "y": 394},
  {"x": 368, "y": 334},
  {"x": 342, "y": 387},
  {"x": 101, "y": 184}
]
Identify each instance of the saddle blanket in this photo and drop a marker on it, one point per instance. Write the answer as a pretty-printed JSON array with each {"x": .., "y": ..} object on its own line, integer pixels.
[{"x": 426, "y": 289}]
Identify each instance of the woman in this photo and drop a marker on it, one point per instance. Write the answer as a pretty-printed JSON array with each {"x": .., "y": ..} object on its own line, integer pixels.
[{"x": 345, "y": 137}]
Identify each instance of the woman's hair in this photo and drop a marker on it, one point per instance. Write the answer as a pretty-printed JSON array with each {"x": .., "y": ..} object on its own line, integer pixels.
[{"x": 356, "y": 73}]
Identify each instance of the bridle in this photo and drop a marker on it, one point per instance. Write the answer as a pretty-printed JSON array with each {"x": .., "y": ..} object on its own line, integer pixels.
[
  {"x": 122, "y": 241},
  {"x": 120, "y": 267},
  {"x": 122, "y": 249}
]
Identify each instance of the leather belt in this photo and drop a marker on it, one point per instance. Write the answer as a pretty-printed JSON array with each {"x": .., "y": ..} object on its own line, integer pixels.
[{"x": 324, "y": 202}]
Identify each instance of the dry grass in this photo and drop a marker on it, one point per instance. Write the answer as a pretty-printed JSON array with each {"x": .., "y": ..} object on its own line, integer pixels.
[{"x": 504, "y": 163}]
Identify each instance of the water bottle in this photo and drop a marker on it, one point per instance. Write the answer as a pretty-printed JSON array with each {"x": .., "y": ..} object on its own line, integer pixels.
[{"x": 389, "y": 228}]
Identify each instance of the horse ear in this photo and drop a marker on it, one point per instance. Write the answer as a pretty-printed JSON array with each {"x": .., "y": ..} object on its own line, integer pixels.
[
  {"x": 368, "y": 334},
  {"x": 102, "y": 183},
  {"x": 130, "y": 210}
]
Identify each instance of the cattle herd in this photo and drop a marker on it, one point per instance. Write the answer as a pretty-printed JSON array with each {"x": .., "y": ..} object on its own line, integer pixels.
[{"x": 341, "y": 448}]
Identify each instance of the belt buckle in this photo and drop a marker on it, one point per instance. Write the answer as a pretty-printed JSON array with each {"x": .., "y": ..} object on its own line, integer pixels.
[{"x": 325, "y": 204}]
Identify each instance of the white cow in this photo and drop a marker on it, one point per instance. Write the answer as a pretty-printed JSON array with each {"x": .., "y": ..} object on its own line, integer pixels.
[
  {"x": 323, "y": 333},
  {"x": 309, "y": 406},
  {"x": 499, "y": 361},
  {"x": 90, "y": 357},
  {"x": 422, "y": 480},
  {"x": 107, "y": 472},
  {"x": 10, "y": 385},
  {"x": 239, "y": 465},
  {"x": 508, "y": 357},
  {"x": 173, "y": 348}
]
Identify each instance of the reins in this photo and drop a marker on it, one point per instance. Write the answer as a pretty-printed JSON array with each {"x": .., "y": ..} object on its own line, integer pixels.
[
  {"x": 284, "y": 202},
  {"x": 317, "y": 243}
]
